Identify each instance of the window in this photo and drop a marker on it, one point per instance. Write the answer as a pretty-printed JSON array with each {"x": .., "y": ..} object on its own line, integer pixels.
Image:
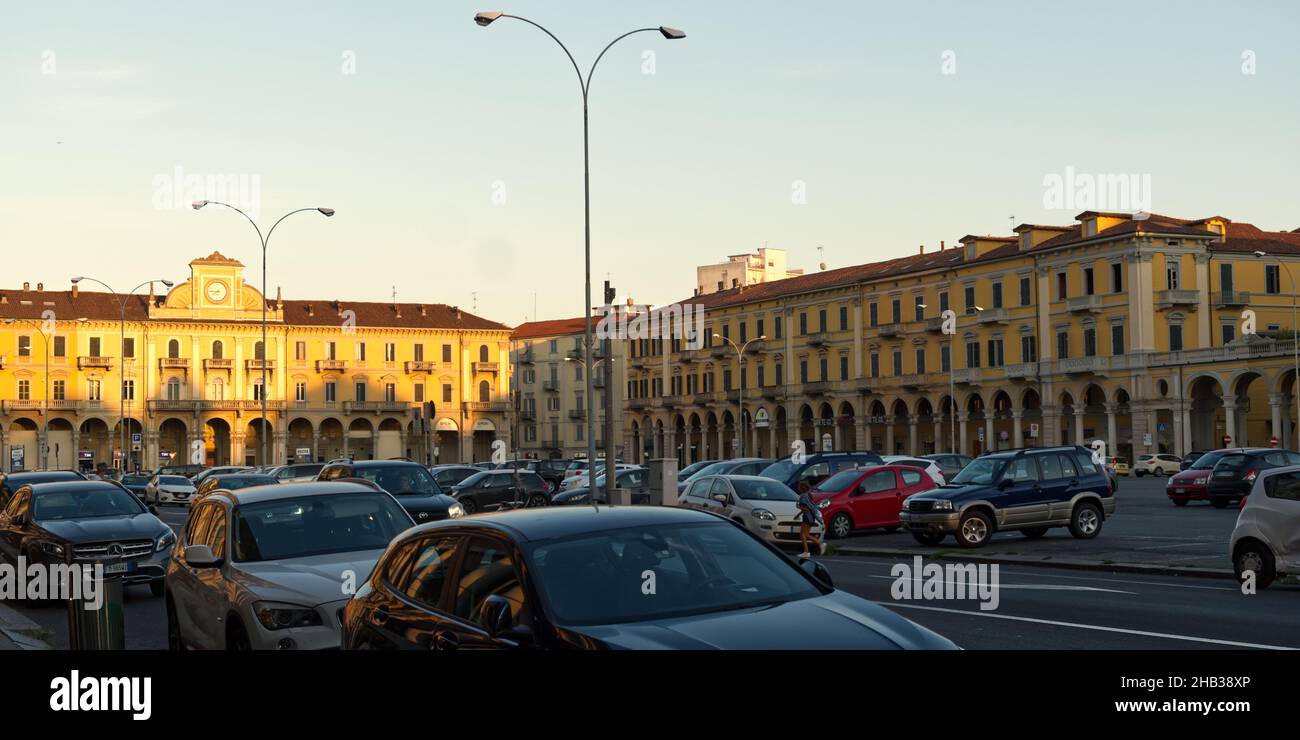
[
  {"x": 446, "y": 392},
  {"x": 217, "y": 350},
  {"x": 488, "y": 570},
  {"x": 259, "y": 351},
  {"x": 359, "y": 392},
  {"x": 1175, "y": 337},
  {"x": 844, "y": 318},
  {"x": 94, "y": 347},
  {"x": 174, "y": 389},
  {"x": 1088, "y": 284},
  {"x": 60, "y": 346},
  {"x": 418, "y": 389},
  {"x": 1022, "y": 470},
  {"x": 1117, "y": 339},
  {"x": 919, "y": 307},
  {"x": 483, "y": 353},
  {"x": 24, "y": 389},
  {"x": 331, "y": 351},
  {"x": 758, "y": 328},
  {"x": 803, "y": 369},
  {"x": 777, "y": 324},
  {"x": 821, "y": 366},
  {"x": 173, "y": 348},
  {"x": 1051, "y": 465},
  {"x": 128, "y": 347},
  {"x": 428, "y": 572},
  {"x": 1026, "y": 290},
  {"x": 419, "y": 352},
  {"x": 446, "y": 351},
  {"x": 844, "y": 367},
  {"x": 331, "y": 392},
  {"x": 1229, "y": 332},
  {"x": 1061, "y": 290},
  {"x": 300, "y": 391},
  {"x": 911, "y": 477},
  {"x": 1225, "y": 277},
  {"x": 485, "y": 392},
  {"x": 945, "y": 359},
  {"x": 762, "y": 380},
  {"x": 1028, "y": 348},
  {"x": 920, "y": 360},
  {"x": 24, "y": 346},
  {"x": 744, "y": 333},
  {"x": 970, "y": 299},
  {"x": 821, "y": 320},
  {"x": 1117, "y": 277},
  {"x": 128, "y": 390},
  {"x": 259, "y": 390},
  {"x": 218, "y": 389},
  {"x": 1272, "y": 279},
  {"x": 995, "y": 352},
  {"x": 390, "y": 352},
  {"x": 873, "y": 314},
  {"x": 300, "y": 351},
  {"x": 94, "y": 391},
  {"x": 973, "y": 354},
  {"x": 361, "y": 352},
  {"x": 803, "y": 324},
  {"x": 1171, "y": 275},
  {"x": 1062, "y": 345},
  {"x": 779, "y": 369},
  {"x": 997, "y": 294},
  {"x": 875, "y": 364},
  {"x": 895, "y": 311},
  {"x": 943, "y": 301},
  {"x": 390, "y": 392}
]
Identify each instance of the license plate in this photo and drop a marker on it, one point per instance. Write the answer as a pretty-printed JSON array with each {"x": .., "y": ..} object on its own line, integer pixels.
[
  {"x": 1223, "y": 474},
  {"x": 1180, "y": 490},
  {"x": 115, "y": 568}
]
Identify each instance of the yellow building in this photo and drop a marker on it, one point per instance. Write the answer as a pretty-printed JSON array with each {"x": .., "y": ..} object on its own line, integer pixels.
[
  {"x": 344, "y": 377},
  {"x": 1160, "y": 334}
]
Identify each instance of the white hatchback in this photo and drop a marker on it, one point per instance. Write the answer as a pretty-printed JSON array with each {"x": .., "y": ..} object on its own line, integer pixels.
[
  {"x": 1266, "y": 540},
  {"x": 766, "y": 507},
  {"x": 1157, "y": 464}
]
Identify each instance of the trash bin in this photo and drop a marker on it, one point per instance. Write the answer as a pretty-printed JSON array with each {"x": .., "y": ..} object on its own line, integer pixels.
[{"x": 97, "y": 629}]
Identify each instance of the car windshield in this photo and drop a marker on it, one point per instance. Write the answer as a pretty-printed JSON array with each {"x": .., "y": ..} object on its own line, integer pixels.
[
  {"x": 693, "y": 468},
  {"x": 316, "y": 525},
  {"x": 762, "y": 490},
  {"x": 99, "y": 502},
  {"x": 135, "y": 480},
  {"x": 1235, "y": 461},
  {"x": 780, "y": 470},
  {"x": 175, "y": 480},
  {"x": 1207, "y": 461},
  {"x": 839, "y": 481},
  {"x": 401, "y": 480},
  {"x": 980, "y": 472},
  {"x": 597, "y": 578},
  {"x": 710, "y": 469},
  {"x": 245, "y": 481}
]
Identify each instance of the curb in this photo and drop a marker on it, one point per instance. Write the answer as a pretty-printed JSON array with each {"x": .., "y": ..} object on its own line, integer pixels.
[
  {"x": 18, "y": 632},
  {"x": 1153, "y": 570}
]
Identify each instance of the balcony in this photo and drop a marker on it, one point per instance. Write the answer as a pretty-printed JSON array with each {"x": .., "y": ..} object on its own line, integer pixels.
[
  {"x": 577, "y": 413},
  {"x": 218, "y": 364},
  {"x": 1171, "y": 298},
  {"x": 525, "y": 358},
  {"x": 702, "y": 399},
  {"x": 638, "y": 404},
  {"x": 918, "y": 380},
  {"x": 966, "y": 375},
  {"x": 819, "y": 388},
  {"x": 486, "y": 367},
  {"x": 174, "y": 363},
  {"x": 1021, "y": 370},
  {"x": 527, "y": 415},
  {"x": 1084, "y": 303},
  {"x": 377, "y": 407},
  {"x": 934, "y": 325},
  {"x": 331, "y": 366},
  {"x": 818, "y": 339},
  {"x": 890, "y": 330},
  {"x": 772, "y": 392},
  {"x": 552, "y": 386},
  {"x": 720, "y": 351},
  {"x": 191, "y": 405},
  {"x": 102, "y": 363},
  {"x": 992, "y": 316},
  {"x": 863, "y": 385},
  {"x": 257, "y": 365},
  {"x": 672, "y": 401},
  {"x": 419, "y": 366},
  {"x": 1230, "y": 298},
  {"x": 1083, "y": 365},
  {"x": 637, "y": 363}
]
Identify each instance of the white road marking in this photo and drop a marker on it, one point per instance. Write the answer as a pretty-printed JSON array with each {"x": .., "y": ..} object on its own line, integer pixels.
[{"x": 1097, "y": 627}]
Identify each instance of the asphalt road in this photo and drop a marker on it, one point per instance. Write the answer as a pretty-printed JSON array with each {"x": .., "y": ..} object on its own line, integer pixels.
[{"x": 1146, "y": 529}]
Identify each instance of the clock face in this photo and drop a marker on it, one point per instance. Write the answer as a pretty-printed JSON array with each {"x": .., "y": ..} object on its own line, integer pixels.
[{"x": 216, "y": 291}]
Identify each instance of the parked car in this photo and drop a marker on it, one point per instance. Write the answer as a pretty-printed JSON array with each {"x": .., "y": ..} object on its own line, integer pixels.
[
  {"x": 1193, "y": 484},
  {"x": 766, "y": 507},
  {"x": 169, "y": 489},
  {"x": 865, "y": 498},
  {"x": 931, "y": 467},
  {"x": 817, "y": 467},
  {"x": 949, "y": 464},
  {"x": 449, "y": 475},
  {"x": 1029, "y": 490},
  {"x": 552, "y": 471},
  {"x": 572, "y": 577},
  {"x": 137, "y": 484},
  {"x": 1266, "y": 540},
  {"x": 583, "y": 478},
  {"x": 692, "y": 469},
  {"x": 11, "y": 482},
  {"x": 189, "y": 471},
  {"x": 1117, "y": 466},
  {"x": 1235, "y": 473},
  {"x": 1190, "y": 458},
  {"x": 200, "y": 476},
  {"x": 411, "y": 483},
  {"x": 737, "y": 466},
  {"x": 232, "y": 482},
  {"x": 493, "y": 490},
  {"x": 1158, "y": 463},
  {"x": 262, "y": 568},
  {"x": 297, "y": 472},
  {"x": 635, "y": 479},
  {"x": 95, "y": 520}
]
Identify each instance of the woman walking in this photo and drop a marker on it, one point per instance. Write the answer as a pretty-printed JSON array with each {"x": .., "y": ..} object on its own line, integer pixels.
[{"x": 810, "y": 515}]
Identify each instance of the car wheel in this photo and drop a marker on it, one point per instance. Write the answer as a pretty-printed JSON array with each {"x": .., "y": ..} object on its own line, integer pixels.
[
  {"x": 1034, "y": 533},
  {"x": 469, "y": 506},
  {"x": 174, "y": 639},
  {"x": 537, "y": 500},
  {"x": 1179, "y": 501},
  {"x": 1085, "y": 522},
  {"x": 237, "y": 638},
  {"x": 928, "y": 538},
  {"x": 1138, "y": 473},
  {"x": 841, "y": 526},
  {"x": 156, "y": 587},
  {"x": 974, "y": 530},
  {"x": 1219, "y": 503},
  {"x": 1253, "y": 556},
  {"x": 1160, "y": 471}
]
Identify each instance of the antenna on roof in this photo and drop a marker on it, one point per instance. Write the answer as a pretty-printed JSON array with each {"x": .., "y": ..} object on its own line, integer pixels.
[
  {"x": 394, "y": 296},
  {"x": 1012, "y": 219},
  {"x": 821, "y": 262},
  {"x": 474, "y": 294}
]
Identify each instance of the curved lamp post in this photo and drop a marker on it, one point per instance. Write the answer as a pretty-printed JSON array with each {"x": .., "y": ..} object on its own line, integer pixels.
[
  {"x": 740, "y": 393},
  {"x": 263, "y": 239},
  {"x": 487, "y": 18},
  {"x": 121, "y": 351}
]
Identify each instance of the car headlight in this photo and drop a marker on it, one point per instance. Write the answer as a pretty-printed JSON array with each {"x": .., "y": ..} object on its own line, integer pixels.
[
  {"x": 166, "y": 541},
  {"x": 285, "y": 616},
  {"x": 824, "y": 504},
  {"x": 942, "y": 504},
  {"x": 455, "y": 511},
  {"x": 51, "y": 548},
  {"x": 764, "y": 514},
  {"x": 1202, "y": 481}
]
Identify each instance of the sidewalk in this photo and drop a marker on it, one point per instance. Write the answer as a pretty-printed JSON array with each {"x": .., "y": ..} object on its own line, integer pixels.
[{"x": 18, "y": 632}]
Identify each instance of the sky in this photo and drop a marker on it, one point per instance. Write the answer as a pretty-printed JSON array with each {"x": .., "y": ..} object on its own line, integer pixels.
[{"x": 453, "y": 153}]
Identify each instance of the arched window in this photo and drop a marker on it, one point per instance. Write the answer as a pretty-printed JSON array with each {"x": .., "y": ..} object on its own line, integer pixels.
[
  {"x": 257, "y": 389},
  {"x": 484, "y": 391},
  {"x": 174, "y": 348},
  {"x": 217, "y": 350},
  {"x": 259, "y": 351},
  {"x": 483, "y": 353}
]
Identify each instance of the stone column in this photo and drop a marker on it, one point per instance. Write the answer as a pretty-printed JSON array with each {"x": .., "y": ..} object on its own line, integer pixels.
[
  {"x": 962, "y": 439},
  {"x": 1049, "y": 426},
  {"x": 722, "y": 454},
  {"x": 1186, "y": 415},
  {"x": 1017, "y": 437},
  {"x": 864, "y": 434},
  {"x": 345, "y": 442},
  {"x": 1112, "y": 442},
  {"x": 938, "y": 433},
  {"x": 1275, "y": 407},
  {"x": 404, "y": 441},
  {"x": 1179, "y": 448},
  {"x": 1078, "y": 423},
  {"x": 990, "y": 443},
  {"x": 889, "y": 434},
  {"x": 315, "y": 445},
  {"x": 771, "y": 441},
  {"x": 912, "y": 422},
  {"x": 1230, "y": 422}
]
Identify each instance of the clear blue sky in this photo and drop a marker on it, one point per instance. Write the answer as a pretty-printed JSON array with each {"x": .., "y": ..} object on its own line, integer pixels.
[{"x": 689, "y": 164}]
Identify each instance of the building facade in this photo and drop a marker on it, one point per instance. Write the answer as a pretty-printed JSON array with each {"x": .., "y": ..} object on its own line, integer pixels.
[
  {"x": 1160, "y": 334},
  {"x": 550, "y": 388},
  {"x": 763, "y": 266},
  {"x": 342, "y": 378}
]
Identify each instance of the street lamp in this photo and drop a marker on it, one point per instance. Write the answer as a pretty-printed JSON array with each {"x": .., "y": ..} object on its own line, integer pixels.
[
  {"x": 121, "y": 352},
  {"x": 327, "y": 212},
  {"x": 740, "y": 385},
  {"x": 610, "y": 462},
  {"x": 1295, "y": 342},
  {"x": 45, "y": 404},
  {"x": 486, "y": 18}
]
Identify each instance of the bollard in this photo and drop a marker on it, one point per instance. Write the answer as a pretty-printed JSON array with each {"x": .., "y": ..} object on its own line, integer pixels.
[{"x": 102, "y": 628}]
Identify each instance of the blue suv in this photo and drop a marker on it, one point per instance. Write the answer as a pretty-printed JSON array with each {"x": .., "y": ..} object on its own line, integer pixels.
[
  {"x": 1029, "y": 490},
  {"x": 818, "y": 467}
]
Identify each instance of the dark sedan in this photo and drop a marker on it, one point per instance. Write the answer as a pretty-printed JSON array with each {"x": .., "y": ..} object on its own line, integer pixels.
[
  {"x": 636, "y": 480},
  {"x": 13, "y": 481},
  {"x": 609, "y": 578},
  {"x": 1235, "y": 473},
  {"x": 493, "y": 490},
  {"x": 411, "y": 483},
  {"x": 87, "y": 521},
  {"x": 136, "y": 484},
  {"x": 449, "y": 475}
]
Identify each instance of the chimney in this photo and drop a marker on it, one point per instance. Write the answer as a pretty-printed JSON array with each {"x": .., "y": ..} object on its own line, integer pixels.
[
  {"x": 922, "y": 249},
  {"x": 74, "y": 290},
  {"x": 338, "y": 307},
  {"x": 279, "y": 298},
  {"x": 26, "y": 286},
  {"x": 941, "y": 245},
  {"x": 310, "y": 311},
  {"x": 456, "y": 310},
  {"x": 40, "y": 287},
  {"x": 398, "y": 309},
  {"x": 423, "y": 311}
]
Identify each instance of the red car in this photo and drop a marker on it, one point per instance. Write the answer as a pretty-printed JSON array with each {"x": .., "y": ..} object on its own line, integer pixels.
[
  {"x": 1192, "y": 484},
  {"x": 862, "y": 498}
]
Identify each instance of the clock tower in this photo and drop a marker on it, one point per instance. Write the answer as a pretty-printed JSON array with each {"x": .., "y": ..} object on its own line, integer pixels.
[{"x": 216, "y": 290}]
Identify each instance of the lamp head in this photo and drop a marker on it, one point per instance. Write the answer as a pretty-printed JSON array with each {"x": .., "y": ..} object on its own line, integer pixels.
[
  {"x": 762, "y": 337},
  {"x": 717, "y": 335},
  {"x": 327, "y": 211},
  {"x": 168, "y": 283},
  {"x": 196, "y": 205},
  {"x": 76, "y": 280},
  {"x": 1260, "y": 253},
  {"x": 486, "y": 17},
  {"x": 672, "y": 33}
]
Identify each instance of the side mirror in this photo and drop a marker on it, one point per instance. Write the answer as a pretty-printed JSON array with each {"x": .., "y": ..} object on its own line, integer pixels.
[
  {"x": 817, "y": 571},
  {"x": 494, "y": 616},
  {"x": 719, "y": 497},
  {"x": 200, "y": 556}
]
